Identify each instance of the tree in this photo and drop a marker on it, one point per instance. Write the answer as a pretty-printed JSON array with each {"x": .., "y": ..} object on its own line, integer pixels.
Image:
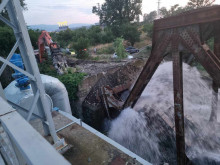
[
  {"x": 94, "y": 34},
  {"x": 131, "y": 33},
  {"x": 34, "y": 35},
  {"x": 194, "y": 4},
  {"x": 149, "y": 18},
  {"x": 5, "y": 14},
  {"x": 23, "y": 4},
  {"x": 7, "y": 40},
  {"x": 107, "y": 36},
  {"x": 117, "y": 12},
  {"x": 64, "y": 37},
  {"x": 174, "y": 10}
]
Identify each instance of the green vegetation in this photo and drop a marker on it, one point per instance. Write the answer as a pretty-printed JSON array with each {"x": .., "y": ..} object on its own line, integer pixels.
[
  {"x": 210, "y": 43},
  {"x": 7, "y": 40},
  {"x": 106, "y": 50},
  {"x": 131, "y": 33},
  {"x": 34, "y": 35},
  {"x": 82, "y": 38},
  {"x": 194, "y": 4},
  {"x": 94, "y": 35},
  {"x": 119, "y": 48},
  {"x": 70, "y": 80},
  {"x": 174, "y": 10},
  {"x": 46, "y": 67},
  {"x": 114, "y": 13},
  {"x": 81, "y": 47},
  {"x": 117, "y": 19},
  {"x": 148, "y": 28},
  {"x": 149, "y": 18}
]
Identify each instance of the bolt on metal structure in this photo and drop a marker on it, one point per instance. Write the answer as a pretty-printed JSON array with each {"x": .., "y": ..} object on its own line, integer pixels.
[
  {"x": 187, "y": 32},
  {"x": 17, "y": 23}
]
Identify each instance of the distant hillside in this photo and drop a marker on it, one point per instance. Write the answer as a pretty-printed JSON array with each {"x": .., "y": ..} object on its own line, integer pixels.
[{"x": 51, "y": 28}]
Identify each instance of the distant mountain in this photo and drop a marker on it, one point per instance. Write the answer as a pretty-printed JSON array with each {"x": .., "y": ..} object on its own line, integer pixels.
[{"x": 51, "y": 28}]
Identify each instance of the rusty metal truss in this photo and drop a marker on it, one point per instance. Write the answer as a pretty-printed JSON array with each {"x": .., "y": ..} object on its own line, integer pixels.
[{"x": 188, "y": 32}]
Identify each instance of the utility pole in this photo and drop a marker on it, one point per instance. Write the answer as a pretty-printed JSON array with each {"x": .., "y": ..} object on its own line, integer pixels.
[{"x": 158, "y": 9}]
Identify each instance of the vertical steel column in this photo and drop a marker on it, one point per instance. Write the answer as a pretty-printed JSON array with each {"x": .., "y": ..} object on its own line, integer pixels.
[
  {"x": 178, "y": 104},
  {"x": 213, "y": 116},
  {"x": 149, "y": 69},
  {"x": 215, "y": 85},
  {"x": 20, "y": 30},
  {"x": 2, "y": 92},
  {"x": 217, "y": 39}
]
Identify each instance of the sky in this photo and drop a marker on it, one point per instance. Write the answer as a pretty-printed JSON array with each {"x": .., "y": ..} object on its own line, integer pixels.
[{"x": 78, "y": 11}]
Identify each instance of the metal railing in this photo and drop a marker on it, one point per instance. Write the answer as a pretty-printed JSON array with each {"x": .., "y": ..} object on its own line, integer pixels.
[{"x": 21, "y": 144}]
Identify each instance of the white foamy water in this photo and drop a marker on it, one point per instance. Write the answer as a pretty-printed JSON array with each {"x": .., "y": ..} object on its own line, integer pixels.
[{"x": 141, "y": 131}]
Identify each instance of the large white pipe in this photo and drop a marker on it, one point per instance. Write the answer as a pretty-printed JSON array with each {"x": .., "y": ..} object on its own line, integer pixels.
[
  {"x": 58, "y": 93},
  {"x": 54, "y": 89}
]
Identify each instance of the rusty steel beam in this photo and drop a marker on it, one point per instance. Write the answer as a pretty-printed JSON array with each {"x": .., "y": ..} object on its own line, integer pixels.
[
  {"x": 213, "y": 116},
  {"x": 147, "y": 72},
  {"x": 123, "y": 87},
  {"x": 178, "y": 104},
  {"x": 203, "y": 55},
  {"x": 215, "y": 86},
  {"x": 199, "y": 16},
  {"x": 217, "y": 38}
]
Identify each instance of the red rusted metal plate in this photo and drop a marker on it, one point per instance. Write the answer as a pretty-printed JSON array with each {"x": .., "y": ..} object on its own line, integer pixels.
[{"x": 204, "y": 15}]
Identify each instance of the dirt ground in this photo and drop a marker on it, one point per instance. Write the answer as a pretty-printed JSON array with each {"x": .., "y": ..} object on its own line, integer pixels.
[{"x": 94, "y": 67}]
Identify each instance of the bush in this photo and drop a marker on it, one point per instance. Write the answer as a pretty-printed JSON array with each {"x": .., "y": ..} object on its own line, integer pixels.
[
  {"x": 148, "y": 28},
  {"x": 81, "y": 47},
  {"x": 94, "y": 34},
  {"x": 107, "y": 36},
  {"x": 210, "y": 43},
  {"x": 71, "y": 82},
  {"x": 46, "y": 67},
  {"x": 119, "y": 48},
  {"x": 7, "y": 40},
  {"x": 106, "y": 50}
]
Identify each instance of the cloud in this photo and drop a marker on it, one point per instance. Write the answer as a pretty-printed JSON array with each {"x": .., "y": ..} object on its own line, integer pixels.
[
  {"x": 78, "y": 11},
  {"x": 53, "y": 11}
]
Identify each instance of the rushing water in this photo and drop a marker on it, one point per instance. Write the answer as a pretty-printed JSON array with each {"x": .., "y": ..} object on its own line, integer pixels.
[{"x": 145, "y": 133}]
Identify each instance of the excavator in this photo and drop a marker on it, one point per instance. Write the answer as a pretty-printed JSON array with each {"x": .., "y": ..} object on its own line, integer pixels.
[{"x": 59, "y": 60}]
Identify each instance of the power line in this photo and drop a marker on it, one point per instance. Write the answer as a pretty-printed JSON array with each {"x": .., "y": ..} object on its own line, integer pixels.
[{"x": 158, "y": 9}]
